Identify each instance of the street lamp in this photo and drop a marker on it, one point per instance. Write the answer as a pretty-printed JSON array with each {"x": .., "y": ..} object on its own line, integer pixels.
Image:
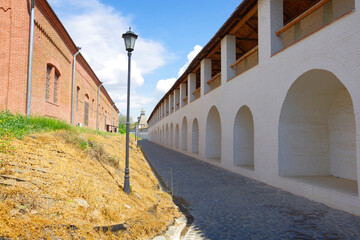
[{"x": 129, "y": 38}]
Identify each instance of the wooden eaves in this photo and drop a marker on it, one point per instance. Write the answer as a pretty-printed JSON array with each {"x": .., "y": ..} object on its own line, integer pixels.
[{"x": 232, "y": 23}]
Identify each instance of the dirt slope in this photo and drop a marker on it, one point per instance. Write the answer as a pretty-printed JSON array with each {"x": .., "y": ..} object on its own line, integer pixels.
[{"x": 63, "y": 184}]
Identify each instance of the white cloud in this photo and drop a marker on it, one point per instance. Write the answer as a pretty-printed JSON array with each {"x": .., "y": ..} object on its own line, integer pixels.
[
  {"x": 97, "y": 28},
  {"x": 164, "y": 85},
  {"x": 136, "y": 101},
  {"x": 150, "y": 55},
  {"x": 190, "y": 57}
]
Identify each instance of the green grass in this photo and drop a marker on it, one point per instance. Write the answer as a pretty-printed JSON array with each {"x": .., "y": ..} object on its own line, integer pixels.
[{"x": 19, "y": 125}]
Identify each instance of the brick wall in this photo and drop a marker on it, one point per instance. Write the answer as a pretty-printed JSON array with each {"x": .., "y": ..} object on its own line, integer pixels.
[
  {"x": 14, "y": 38},
  {"x": 53, "y": 48}
]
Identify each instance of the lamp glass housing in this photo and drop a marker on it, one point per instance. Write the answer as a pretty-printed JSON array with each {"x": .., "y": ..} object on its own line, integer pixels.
[{"x": 129, "y": 39}]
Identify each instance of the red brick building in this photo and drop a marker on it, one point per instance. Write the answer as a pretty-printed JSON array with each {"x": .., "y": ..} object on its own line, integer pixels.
[{"x": 52, "y": 70}]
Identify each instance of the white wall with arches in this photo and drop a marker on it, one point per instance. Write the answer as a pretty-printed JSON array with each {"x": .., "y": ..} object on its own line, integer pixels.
[{"x": 292, "y": 121}]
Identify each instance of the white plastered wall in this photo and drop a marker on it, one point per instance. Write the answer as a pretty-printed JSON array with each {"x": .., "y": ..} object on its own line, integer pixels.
[{"x": 264, "y": 89}]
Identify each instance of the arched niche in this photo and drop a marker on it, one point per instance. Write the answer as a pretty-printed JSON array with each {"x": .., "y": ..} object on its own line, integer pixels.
[
  {"x": 195, "y": 136},
  {"x": 317, "y": 131},
  {"x": 213, "y": 135},
  {"x": 243, "y": 144},
  {"x": 177, "y": 136},
  {"x": 184, "y": 134},
  {"x": 171, "y": 135}
]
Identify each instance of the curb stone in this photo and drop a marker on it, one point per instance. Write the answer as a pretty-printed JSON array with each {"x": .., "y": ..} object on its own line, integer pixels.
[{"x": 182, "y": 224}]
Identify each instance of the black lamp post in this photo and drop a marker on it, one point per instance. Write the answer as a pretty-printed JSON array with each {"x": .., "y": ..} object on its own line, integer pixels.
[{"x": 129, "y": 38}]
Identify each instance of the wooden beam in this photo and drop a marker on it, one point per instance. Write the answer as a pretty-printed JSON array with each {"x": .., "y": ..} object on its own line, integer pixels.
[
  {"x": 216, "y": 64},
  {"x": 302, "y": 16},
  {"x": 245, "y": 56},
  {"x": 252, "y": 28},
  {"x": 216, "y": 49},
  {"x": 247, "y": 39},
  {"x": 286, "y": 16},
  {"x": 213, "y": 78},
  {"x": 244, "y": 19},
  {"x": 194, "y": 92},
  {"x": 242, "y": 50}
]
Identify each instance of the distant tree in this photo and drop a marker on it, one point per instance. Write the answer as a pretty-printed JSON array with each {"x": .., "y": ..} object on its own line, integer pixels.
[{"x": 122, "y": 122}]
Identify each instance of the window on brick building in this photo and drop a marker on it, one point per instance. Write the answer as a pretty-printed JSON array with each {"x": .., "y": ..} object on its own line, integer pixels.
[
  {"x": 92, "y": 107},
  {"x": 86, "y": 110},
  {"x": 48, "y": 78},
  {"x": 56, "y": 87},
  {"x": 77, "y": 98},
  {"x": 105, "y": 122},
  {"x": 52, "y": 83},
  {"x": 86, "y": 114}
]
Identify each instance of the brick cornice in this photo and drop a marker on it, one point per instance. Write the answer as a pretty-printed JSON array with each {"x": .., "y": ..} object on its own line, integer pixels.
[
  {"x": 5, "y": 9},
  {"x": 51, "y": 17},
  {"x": 51, "y": 40}
]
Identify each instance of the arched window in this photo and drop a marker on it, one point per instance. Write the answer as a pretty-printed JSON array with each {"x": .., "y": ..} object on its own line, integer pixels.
[
  {"x": 48, "y": 79},
  {"x": 86, "y": 110},
  {"x": 52, "y": 83},
  {"x": 77, "y": 98},
  {"x": 92, "y": 107},
  {"x": 56, "y": 87}
]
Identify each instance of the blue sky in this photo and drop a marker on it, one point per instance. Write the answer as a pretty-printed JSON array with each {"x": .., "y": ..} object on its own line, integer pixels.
[{"x": 171, "y": 33}]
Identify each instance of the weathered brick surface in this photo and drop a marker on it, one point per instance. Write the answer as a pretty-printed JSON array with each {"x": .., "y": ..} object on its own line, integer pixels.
[
  {"x": 14, "y": 47},
  {"x": 50, "y": 47}
]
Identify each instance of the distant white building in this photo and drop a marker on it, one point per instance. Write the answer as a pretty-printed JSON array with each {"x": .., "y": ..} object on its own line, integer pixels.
[
  {"x": 142, "y": 121},
  {"x": 142, "y": 126}
]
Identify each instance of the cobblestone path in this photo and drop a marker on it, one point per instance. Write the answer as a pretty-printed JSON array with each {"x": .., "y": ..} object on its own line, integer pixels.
[{"x": 229, "y": 206}]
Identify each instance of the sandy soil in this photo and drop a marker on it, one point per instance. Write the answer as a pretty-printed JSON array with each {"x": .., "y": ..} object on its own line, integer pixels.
[{"x": 63, "y": 184}]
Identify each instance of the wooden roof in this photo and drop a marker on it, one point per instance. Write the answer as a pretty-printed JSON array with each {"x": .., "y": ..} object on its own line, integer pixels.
[
  {"x": 293, "y": 8},
  {"x": 243, "y": 23}
]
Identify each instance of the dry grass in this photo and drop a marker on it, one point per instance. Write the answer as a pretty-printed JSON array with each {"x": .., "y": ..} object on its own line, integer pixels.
[{"x": 44, "y": 175}]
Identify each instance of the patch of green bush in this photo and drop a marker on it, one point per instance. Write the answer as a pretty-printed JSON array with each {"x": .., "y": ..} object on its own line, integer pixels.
[
  {"x": 19, "y": 125},
  {"x": 122, "y": 128}
]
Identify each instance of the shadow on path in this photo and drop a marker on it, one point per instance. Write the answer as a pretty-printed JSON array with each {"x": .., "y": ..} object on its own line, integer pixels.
[{"x": 229, "y": 206}]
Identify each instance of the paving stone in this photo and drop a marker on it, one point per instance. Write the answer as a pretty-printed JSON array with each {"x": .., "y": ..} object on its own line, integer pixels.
[
  {"x": 229, "y": 206},
  {"x": 159, "y": 238}
]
